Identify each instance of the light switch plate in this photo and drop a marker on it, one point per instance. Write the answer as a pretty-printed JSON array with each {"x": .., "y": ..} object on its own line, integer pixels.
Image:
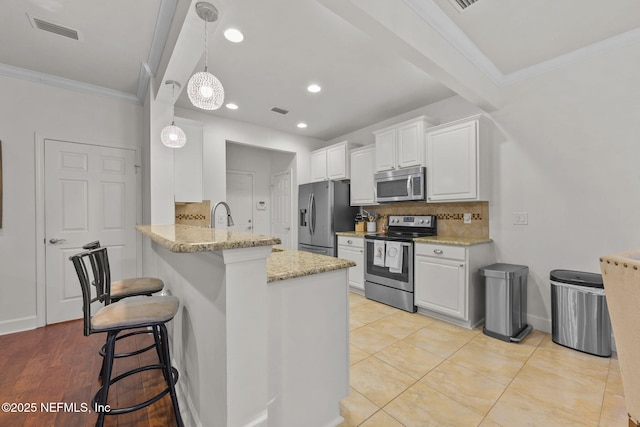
[{"x": 520, "y": 218}]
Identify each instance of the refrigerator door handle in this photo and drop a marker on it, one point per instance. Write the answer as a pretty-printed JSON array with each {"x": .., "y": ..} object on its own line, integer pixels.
[
  {"x": 312, "y": 220},
  {"x": 309, "y": 214}
]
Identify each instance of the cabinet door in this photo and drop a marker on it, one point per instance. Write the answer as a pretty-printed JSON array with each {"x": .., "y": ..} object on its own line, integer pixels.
[
  {"x": 356, "y": 274},
  {"x": 362, "y": 170},
  {"x": 337, "y": 166},
  {"x": 440, "y": 286},
  {"x": 410, "y": 145},
  {"x": 386, "y": 150},
  {"x": 319, "y": 165},
  {"x": 452, "y": 162}
]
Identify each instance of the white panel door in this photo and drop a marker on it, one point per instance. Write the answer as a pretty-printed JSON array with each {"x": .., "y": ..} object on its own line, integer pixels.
[
  {"x": 281, "y": 207},
  {"x": 240, "y": 201},
  {"x": 90, "y": 194}
]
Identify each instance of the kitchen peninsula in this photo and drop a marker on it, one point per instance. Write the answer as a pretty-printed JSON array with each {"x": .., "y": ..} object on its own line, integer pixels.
[{"x": 261, "y": 338}]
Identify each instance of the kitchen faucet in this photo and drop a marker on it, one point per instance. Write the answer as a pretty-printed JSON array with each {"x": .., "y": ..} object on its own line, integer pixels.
[{"x": 213, "y": 211}]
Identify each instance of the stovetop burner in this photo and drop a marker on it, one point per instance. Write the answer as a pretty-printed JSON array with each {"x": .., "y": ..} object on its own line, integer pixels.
[{"x": 406, "y": 228}]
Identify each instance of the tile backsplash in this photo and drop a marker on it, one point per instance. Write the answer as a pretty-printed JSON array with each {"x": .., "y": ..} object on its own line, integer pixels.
[
  {"x": 450, "y": 216},
  {"x": 193, "y": 213}
]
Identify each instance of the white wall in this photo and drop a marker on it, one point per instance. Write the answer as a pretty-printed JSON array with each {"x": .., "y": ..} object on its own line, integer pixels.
[
  {"x": 260, "y": 163},
  {"x": 29, "y": 110}
]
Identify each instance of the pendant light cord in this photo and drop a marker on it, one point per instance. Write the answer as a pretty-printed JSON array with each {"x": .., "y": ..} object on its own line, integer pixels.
[{"x": 206, "y": 50}]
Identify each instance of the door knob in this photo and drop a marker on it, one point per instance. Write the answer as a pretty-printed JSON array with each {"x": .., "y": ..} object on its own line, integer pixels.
[{"x": 56, "y": 241}]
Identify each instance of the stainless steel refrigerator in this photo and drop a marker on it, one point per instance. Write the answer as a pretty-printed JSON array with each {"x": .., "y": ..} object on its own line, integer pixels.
[{"x": 323, "y": 209}]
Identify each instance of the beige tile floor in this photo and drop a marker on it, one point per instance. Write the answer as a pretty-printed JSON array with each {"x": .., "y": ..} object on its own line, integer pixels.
[{"x": 412, "y": 370}]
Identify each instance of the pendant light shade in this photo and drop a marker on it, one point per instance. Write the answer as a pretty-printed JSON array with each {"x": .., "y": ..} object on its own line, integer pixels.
[
  {"x": 204, "y": 89},
  {"x": 172, "y": 136}
]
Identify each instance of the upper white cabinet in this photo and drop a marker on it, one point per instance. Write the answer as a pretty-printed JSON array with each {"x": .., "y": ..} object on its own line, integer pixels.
[
  {"x": 330, "y": 163},
  {"x": 363, "y": 162},
  {"x": 457, "y": 160},
  {"x": 187, "y": 178},
  {"x": 401, "y": 145}
]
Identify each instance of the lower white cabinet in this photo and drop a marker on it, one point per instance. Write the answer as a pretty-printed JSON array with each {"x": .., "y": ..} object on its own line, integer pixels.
[
  {"x": 352, "y": 248},
  {"x": 447, "y": 283}
]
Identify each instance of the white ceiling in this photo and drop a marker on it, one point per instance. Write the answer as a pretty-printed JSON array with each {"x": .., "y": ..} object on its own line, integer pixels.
[{"x": 292, "y": 43}]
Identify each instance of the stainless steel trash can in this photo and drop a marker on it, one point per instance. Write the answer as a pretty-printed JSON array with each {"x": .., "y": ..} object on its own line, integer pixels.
[
  {"x": 506, "y": 301},
  {"x": 579, "y": 314}
]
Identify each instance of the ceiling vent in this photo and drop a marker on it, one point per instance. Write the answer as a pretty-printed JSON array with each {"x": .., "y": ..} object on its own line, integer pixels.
[
  {"x": 279, "y": 110},
  {"x": 463, "y": 4},
  {"x": 53, "y": 28}
]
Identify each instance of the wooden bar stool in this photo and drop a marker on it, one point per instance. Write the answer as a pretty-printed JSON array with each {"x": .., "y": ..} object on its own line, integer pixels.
[{"x": 125, "y": 315}]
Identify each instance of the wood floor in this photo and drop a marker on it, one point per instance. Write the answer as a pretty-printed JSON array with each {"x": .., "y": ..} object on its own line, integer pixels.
[{"x": 58, "y": 365}]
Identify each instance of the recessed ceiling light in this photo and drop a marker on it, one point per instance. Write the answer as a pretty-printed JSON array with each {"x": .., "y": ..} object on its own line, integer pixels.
[
  {"x": 302, "y": 125},
  {"x": 232, "y": 106},
  {"x": 314, "y": 88},
  {"x": 233, "y": 35}
]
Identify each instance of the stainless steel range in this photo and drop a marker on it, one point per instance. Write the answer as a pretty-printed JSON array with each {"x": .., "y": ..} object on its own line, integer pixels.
[{"x": 389, "y": 260}]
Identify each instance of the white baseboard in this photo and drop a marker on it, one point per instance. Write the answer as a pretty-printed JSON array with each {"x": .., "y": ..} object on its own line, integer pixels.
[
  {"x": 187, "y": 409},
  {"x": 18, "y": 325},
  {"x": 540, "y": 323}
]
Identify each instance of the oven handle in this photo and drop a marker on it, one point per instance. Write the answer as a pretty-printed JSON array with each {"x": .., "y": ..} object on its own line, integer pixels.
[{"x": 403, "y": 244}]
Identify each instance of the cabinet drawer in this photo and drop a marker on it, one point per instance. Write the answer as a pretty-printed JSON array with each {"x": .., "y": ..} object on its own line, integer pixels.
[
  {"x": 356, "y": 242},
  {"x": 441, "y": 251}
]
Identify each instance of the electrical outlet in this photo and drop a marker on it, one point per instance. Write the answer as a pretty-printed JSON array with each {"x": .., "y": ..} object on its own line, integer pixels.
[
  {"x": 521, "y": 218},
  {"x": 467, "y": 218}
]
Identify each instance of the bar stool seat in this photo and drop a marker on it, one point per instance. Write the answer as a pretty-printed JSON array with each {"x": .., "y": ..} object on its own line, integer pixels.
[
  {"x": 133, "y": 287},
  {"x": 134, "y": 311},
  {"x": 123, "y": 316}
]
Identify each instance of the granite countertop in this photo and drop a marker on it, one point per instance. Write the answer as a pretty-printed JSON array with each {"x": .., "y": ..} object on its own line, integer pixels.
[
  {"x": 189, "y": 238},
  {"x": 352, "y": 233},
  {"x": 288, "y": 264},
  {"x": 449, "y": 240}
]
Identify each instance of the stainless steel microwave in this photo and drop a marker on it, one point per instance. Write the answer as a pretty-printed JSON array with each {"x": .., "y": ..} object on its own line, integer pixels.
[{"x": 400, "y": 185}]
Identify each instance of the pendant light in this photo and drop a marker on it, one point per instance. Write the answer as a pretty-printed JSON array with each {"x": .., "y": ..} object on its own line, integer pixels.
[
  {"x": 172, "y": 136},
  {"x": 204, "y": 89}
]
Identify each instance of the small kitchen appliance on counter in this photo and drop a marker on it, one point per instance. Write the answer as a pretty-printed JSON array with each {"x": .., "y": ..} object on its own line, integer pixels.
[{"x": 388, "y": 259}]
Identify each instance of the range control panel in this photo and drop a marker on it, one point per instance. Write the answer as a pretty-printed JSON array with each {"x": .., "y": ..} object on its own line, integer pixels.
[{"x": 411, "y": 221}]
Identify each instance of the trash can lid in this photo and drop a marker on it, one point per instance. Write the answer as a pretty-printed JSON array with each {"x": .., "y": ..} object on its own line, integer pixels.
[
  {"x": 580, "y": 278},
  {"x": 504, "y": 271}
]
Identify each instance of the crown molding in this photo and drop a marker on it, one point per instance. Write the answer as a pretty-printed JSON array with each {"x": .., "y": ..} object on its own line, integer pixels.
[
  {"x": 431, "y": 13},
  {"x": 51, "y": 80}
]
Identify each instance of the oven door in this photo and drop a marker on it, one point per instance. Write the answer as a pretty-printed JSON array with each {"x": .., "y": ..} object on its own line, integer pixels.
[{"x": 382, "y": 275}]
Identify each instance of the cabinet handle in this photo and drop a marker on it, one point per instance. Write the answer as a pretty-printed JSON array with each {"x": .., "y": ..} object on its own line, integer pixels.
[
  {"x": 350, "y": 242},
  {"x": 437, "y": 251},
  {"x": 361, "y": 251}
]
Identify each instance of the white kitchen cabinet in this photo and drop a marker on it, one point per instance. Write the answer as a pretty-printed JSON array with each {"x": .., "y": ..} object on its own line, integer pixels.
[
  {"x": 457, "y": 160},
  {"x": 362, "y": 169},
  {"x": 447, "y": 283},
  {"x": 401, "y": 145},
  {"x": 319, "y": 165},
  {"x": 352, "y": 248},
  {"x": 187, "y": 178},
  {"x": 331, "y": 163}
]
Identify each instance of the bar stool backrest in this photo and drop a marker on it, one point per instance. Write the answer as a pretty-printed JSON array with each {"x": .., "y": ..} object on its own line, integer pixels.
[{"x": 94, "y": 263}]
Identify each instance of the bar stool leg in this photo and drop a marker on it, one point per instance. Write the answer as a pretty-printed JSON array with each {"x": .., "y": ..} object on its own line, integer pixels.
[
  {"x": 101, "y": 404},
  {"x": 168, "y": 372}
]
